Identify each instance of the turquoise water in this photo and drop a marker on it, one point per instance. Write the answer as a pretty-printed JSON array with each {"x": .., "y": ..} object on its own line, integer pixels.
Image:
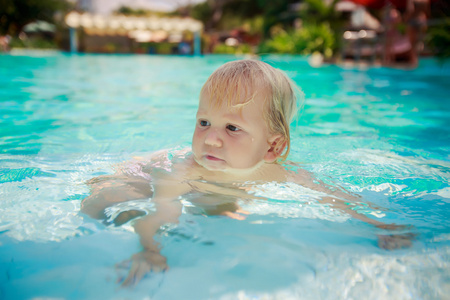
[{"x": 381, "y": 133}]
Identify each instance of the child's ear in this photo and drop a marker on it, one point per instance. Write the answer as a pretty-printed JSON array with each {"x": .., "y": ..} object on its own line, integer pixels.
[{"x": 277, "y": 144}]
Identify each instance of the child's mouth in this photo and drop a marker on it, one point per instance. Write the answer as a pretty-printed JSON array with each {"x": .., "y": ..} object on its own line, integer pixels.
[{"x": 213, "y": 158}]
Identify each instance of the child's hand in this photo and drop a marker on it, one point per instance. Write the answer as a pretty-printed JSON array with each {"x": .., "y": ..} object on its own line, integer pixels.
[
  {"x": 395, "y": 241},
  {"x": 237, "y": 215},
  {"x": 143, "y": 263},
  {"x": 402, "y": 239}
]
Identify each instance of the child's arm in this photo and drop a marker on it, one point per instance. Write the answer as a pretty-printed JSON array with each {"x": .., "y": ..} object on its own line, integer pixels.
[
  {"x": 168, "y": 209},
  {"x": 340, "y": 199},
  {"x": 150, "y": 258},
  {"x": 109, "y": 190},
  {"x": 132, "y": 181}
]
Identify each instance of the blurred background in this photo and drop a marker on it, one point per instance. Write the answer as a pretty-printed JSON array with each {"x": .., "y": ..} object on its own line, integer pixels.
[{"x": 386, "y": 32}]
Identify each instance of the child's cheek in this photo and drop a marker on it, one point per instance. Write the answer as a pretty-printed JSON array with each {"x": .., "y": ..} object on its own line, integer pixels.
[
  {"x": 197, "y": 139},
  {"x": 197, "y": 135}
]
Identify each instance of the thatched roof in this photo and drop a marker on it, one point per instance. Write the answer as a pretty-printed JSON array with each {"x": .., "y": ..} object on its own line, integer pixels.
[{"x": 126, "y": 23}]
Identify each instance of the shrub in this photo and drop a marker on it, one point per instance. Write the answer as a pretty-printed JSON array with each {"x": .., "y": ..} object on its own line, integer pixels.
[
  {"x": 306, "y": 40},
  {"x": 239, "y": 49},
  {"x": 439, "y": 38}
]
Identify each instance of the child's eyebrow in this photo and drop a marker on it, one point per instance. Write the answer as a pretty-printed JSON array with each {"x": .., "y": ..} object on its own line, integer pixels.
[
  {"x": 201, "y": 112},
  {"x": 234, "y": 117}
]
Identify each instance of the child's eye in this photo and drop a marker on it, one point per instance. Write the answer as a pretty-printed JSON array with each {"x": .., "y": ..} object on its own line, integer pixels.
[
  {"x": 204, "y": 123},
  {"x": 232, "y": 128}
]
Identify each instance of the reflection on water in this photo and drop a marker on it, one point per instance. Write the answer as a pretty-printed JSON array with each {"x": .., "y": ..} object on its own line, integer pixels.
[{"x": 380, "y": 133}]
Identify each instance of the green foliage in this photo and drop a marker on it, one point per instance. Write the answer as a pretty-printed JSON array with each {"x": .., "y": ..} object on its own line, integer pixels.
[
  {"x": 125, "y": 10},
  {"x": 439, "y": 38},
  {"x": 242, "y": 9},
  {"x": 158, "y": 48},
  {"x": 139, "y": 12},
  {"x": 234, "y": 14},
  {"x": 201, "y": 11},
  {"x": 110, "y": 48},
  {"x": 254, "y": 25},
  {"x": 229, "y": 14},
  {"x": 17, "y": 43},
  {"x": 438, "y": 35},
  {"x": 240, "y": 49},
  {"x": 318, "y": 11},
  {"x": 281, "y": 42},
  {"x": 276, "y": 12},
  {"x": 306, "y": 40},
  {"x": 164, "y": 48},
  {"x": 14, "y": 14},
  {"x": 34, "y": 43}
]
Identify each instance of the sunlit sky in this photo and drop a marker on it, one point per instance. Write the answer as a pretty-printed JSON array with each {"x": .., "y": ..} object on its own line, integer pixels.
[{"x": 108, "y": 6}]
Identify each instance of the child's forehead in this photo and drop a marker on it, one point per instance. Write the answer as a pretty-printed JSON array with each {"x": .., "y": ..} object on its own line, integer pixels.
[
  {"x": 207, "y": 104},
  {"x": 234, "y": 97},
  {"x": 245, "y": 113}
]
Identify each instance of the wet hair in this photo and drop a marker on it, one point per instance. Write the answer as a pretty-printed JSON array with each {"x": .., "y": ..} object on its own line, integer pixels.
[{"x": 236, "y": 83}]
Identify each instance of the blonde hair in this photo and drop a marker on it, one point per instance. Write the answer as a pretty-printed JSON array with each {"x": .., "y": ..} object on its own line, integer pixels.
[{"x": 236, "y": 83}]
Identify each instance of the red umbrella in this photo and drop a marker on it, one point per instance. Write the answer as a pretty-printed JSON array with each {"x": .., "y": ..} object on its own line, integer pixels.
[{"x": 381, "y": 3}]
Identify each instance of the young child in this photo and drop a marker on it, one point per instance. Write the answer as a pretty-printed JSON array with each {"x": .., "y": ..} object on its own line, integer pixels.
[{"x": 241, "y": 136}]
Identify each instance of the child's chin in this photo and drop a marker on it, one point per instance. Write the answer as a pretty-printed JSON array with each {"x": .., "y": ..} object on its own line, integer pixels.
[{"x": 211, "y": 166}]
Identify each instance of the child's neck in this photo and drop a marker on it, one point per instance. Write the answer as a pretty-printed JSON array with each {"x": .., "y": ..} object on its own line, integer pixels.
[
  {"x": 248, "y": 172},
  {"x": 230, "y": 174}
]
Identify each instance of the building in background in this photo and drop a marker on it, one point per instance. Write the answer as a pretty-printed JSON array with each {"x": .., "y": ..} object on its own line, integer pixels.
[
  {"x": 106, "y": 7},
  {"x": 130, "y": 34}
]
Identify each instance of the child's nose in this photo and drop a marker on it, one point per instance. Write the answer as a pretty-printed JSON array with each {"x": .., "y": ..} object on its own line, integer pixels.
[{"x": 213, "y": 139}]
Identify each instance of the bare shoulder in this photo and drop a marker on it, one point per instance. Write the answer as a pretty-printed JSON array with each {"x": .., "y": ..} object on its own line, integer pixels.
[
  {"x": 274, "y": 172},
  {"x": 162, "y": 160},
  {"x": 297, "y": 174},
  {"x": 307, "y": 179}
]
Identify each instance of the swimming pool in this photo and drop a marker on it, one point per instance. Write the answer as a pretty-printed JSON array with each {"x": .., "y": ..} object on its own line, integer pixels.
[{"x": 381, "y": 133}]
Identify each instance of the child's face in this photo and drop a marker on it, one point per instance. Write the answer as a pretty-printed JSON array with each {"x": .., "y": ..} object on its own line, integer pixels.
[{"x": 228, "y": 138}]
